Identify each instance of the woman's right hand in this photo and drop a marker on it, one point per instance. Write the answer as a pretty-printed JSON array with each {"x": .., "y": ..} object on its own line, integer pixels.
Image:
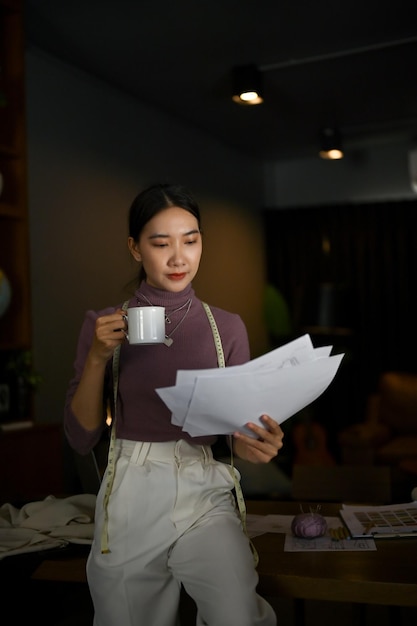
[
  {"x": 87, "y": 402},
  {"x": 110, "y": 331}
]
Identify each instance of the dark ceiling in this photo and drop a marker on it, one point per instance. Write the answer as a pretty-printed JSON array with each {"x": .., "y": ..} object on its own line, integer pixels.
[{"x": 349, "y": 64}]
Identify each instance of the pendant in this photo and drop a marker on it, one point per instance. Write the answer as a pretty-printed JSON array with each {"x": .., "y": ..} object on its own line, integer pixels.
[{"x": 168, "y": 341}]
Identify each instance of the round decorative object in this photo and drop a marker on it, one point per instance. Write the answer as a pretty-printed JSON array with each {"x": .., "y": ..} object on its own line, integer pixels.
[
  {"x": 309, "y": 525},
  {"x": 5, "y": 293}
]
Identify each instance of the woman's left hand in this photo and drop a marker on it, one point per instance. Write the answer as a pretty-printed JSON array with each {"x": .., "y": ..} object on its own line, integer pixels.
[{"x": 264, "y": 447}]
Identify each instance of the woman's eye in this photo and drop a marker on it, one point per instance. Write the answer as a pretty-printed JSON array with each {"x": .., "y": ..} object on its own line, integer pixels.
[{"x": 164, "y": 244}]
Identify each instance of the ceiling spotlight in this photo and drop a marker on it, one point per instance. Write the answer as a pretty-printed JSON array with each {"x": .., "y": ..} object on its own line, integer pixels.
[
  {"x": 330, "y": 144},
  {"x": 247, "y": 85}
]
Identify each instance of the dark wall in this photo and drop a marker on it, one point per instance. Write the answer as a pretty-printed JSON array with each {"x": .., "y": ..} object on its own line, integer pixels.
[{"x": 349, "y": 275}]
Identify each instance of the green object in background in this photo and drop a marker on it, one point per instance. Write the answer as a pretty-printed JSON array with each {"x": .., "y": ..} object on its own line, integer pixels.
[
  {"x": 20, "y": 365},
  {"x": 276, "y": 313}
]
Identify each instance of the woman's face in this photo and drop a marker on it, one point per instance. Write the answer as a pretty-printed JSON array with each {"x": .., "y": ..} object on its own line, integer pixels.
[{"x": 169, "y": 248}]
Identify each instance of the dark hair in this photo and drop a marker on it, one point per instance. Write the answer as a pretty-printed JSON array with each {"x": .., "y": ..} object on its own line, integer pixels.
[{"x": 154, "y": 199}]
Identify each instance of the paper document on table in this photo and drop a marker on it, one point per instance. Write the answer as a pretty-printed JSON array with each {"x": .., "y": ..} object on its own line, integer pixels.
[
  {"x": 280, "y": 383},
  {"x": 388, "y": 520}
]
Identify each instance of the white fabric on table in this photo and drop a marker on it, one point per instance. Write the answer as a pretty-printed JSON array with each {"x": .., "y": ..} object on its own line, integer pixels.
[{"x": 45, "y": 524}]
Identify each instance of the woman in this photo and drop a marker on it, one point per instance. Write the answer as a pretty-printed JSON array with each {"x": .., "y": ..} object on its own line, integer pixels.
[{"x": 165, "y": 506}]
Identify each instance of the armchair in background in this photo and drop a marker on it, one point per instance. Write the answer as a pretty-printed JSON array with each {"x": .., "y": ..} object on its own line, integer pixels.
[{"x": 388, "y": 435}]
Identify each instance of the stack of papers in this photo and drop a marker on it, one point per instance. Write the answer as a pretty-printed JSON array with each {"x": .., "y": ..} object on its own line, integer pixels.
[
  {"x": 391, "y": 520},
  {"x": 219, "y": 401}
]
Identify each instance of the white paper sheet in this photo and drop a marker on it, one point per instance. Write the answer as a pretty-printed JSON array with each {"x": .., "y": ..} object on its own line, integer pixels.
[{"x": 279, "y": 383}]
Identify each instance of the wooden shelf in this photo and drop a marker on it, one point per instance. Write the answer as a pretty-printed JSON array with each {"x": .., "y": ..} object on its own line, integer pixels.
[{"x": 15, "y": 324}]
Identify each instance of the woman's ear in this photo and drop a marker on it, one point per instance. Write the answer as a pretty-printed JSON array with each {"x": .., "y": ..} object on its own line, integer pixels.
[{"x": 133, "y": 248}]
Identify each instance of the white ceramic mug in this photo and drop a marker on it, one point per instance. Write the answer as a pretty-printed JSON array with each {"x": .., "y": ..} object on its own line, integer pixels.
[{"x": 145, "y": 324}]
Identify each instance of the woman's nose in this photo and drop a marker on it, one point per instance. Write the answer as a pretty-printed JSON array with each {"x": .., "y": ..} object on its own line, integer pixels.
[{"x": 177, "y": 258}]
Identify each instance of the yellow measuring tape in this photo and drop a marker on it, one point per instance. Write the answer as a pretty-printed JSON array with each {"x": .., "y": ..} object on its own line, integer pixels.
[
  {"x": 111, "y": 460},
  {"x": 238, "y": 489},
  {"x": 105, "y": 549}
]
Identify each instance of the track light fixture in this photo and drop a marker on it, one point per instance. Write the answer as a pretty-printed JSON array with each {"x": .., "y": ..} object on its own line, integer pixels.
[
  {"x": 247, "y": 79},
  {"x": 330, "y": 144},
  {"x": 247, "y": 85}
]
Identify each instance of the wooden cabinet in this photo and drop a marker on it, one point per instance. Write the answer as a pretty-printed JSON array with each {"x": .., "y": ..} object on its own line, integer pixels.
[
  {"x": 31, "y": 463},
  {"x": 15, "y": 323}
]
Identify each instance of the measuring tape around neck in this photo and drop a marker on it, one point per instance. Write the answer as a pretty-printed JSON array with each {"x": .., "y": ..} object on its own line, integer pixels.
[
  {"x": 216, "y": 335},
  {"x": 238, "y": 489}
]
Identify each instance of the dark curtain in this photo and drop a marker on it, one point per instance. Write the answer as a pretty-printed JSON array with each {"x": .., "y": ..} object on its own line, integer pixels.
[{"x": 367, "y": 256}]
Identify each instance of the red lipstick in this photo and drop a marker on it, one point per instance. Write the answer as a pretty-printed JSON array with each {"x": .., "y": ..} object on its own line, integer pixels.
[{"x": 176, "y": 276}]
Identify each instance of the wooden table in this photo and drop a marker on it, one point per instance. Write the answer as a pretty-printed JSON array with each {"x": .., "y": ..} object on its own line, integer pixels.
[{"x": 387, "y": 576}]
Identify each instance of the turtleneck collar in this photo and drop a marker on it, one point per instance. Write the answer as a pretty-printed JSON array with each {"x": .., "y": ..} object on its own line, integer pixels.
[{"x": 160, "y": 297}]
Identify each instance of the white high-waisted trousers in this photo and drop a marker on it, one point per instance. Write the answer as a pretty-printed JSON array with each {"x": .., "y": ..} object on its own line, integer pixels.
[{"x": 172, "y": 520}]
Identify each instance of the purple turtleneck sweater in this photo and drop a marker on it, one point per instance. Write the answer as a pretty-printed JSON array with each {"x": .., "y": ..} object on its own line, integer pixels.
[{"x": 141, "y": 414}]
